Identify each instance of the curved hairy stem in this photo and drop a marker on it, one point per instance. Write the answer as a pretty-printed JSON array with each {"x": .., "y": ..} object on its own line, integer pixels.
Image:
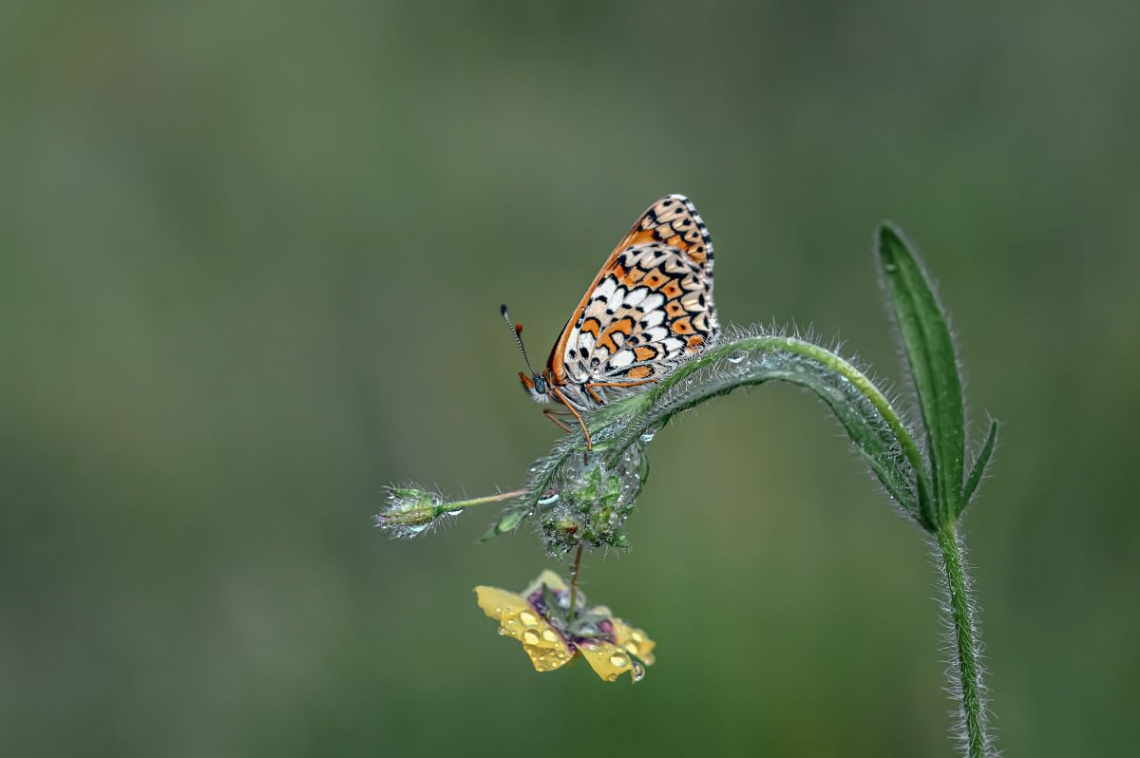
[
  {"x": 967, "y": 677},
  {"x": 874, "y": 425}
]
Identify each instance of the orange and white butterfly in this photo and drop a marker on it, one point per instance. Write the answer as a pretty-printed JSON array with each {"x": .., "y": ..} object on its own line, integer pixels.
[{"x": 649, "y": 308}]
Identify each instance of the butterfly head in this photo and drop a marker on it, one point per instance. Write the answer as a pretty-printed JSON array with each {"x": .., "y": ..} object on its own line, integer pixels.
[{"x": 535, "y": 384}]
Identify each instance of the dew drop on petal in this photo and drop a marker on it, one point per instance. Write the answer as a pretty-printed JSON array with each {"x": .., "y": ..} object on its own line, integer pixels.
[
  {"x": 550, "y": 635},
  {"x": 530, "y": 637},
  {"x": 502, "y": 630},
  {"x": 737, "y": 357},
  {"x": 638, "y": 672},
  {"x": 528, "y": 618},
  {"x": 619, "y": 659}
]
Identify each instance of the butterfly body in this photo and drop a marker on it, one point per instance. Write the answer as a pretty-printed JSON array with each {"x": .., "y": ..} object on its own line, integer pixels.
[{"x": 649, "y": 308}]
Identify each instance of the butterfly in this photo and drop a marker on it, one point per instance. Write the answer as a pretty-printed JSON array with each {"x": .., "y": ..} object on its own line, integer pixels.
[{"x": 649, "y": 308}]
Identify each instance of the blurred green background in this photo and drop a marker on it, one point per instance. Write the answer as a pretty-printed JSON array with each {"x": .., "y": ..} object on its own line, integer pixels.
[{"x": 251, "y": 256}]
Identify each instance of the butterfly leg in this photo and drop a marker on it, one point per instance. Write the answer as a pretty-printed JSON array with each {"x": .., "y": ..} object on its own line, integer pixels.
[
  {"x": 562, "y": 399},
  {"x": 552, "y": 414}
]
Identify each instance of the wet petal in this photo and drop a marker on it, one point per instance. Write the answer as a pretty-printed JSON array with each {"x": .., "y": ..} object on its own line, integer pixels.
[
  {"x": 634, "y": 641},
  {"x": 517, "y": 619},
  {"x": 550, "y": 579},
  {"x": 609, "y": 661}
]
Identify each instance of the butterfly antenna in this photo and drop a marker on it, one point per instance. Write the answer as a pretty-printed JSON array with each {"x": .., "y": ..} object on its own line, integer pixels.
[{"x": 516, "y": 329}]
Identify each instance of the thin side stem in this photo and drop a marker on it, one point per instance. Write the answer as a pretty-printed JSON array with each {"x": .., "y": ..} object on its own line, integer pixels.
[
  {"x": 411, "y": 507},
  {"x": 461, "y": 504},
  {"x": 969, "y": 673}
]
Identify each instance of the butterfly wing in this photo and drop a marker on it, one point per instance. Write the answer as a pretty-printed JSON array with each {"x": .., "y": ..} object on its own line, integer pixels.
[{"x": 650, "y": 306}]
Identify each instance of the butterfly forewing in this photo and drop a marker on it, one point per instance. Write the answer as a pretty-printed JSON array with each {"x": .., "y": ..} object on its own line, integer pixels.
[{"x": 650, "y": 306}]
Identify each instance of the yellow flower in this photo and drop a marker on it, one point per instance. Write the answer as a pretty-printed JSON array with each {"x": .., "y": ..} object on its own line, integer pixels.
[{"x": 541, "y": 619}]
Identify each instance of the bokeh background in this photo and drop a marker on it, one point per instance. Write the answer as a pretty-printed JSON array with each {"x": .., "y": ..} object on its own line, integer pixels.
[{"x": 251, "y": 257}]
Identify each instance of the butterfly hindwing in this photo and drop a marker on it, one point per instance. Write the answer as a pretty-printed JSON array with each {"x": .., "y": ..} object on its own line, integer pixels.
[{"x": 650, "y": 306}]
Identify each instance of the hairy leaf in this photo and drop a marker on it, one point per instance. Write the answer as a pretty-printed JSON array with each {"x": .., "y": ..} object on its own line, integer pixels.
[{"x": 933, "y": 366}]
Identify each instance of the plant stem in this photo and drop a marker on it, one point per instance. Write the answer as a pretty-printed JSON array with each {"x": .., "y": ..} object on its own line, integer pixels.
[
  {"x": 870, "y": 419},
  {"x": 461, "y": 504},
  {"x": 807, "y": 349},
  {"x": 574, "y": 582},
  {"x": 969, "y": 673}
]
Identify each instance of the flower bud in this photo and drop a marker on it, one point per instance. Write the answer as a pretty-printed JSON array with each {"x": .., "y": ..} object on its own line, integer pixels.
[{"x": 409, "y": 511}]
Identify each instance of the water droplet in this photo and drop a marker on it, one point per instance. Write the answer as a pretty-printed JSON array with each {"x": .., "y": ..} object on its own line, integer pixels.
[
  {"x": 648, "y": 436},
  {"x": 416, "y": 529},
  {"x": 455, "y": 512},
  {"x": 549, "y": 500},
  {"x": 612, "y": 678},
  {"x": 737, "y": 357},
  {"x": 528, "y": 618},
  {"x": 637, "y": 637},
  {"x": 619, "y": 659},
  {"x": 550, "y": 635},
  {"x": 631, "y": 647},
  {"x": 638, "y": 672},
  {"x": 530, "y": 637},
  {"x": 502, "y": 631}
]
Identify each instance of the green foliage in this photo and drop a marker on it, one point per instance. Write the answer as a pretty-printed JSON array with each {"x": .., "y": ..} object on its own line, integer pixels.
[
  {"x": 581, "y": 495},
  {"x": 933, "y": 369},
  {"x": 981, "y": 464}
]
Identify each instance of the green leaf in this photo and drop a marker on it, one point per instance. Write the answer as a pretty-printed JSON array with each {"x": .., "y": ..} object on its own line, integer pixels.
[
  {"x": 981, "y": 463},
  {"x": 933, "y": 366},
  {"x": 509, "y": 520}
]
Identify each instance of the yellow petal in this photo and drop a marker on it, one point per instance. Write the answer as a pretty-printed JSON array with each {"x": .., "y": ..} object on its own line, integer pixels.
[
  {"x": 517, "y": 619},
  {"x": 550, "y": 579},
  {"x": 634, "y": 641},
  {"x": 609, "y": 661}
]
